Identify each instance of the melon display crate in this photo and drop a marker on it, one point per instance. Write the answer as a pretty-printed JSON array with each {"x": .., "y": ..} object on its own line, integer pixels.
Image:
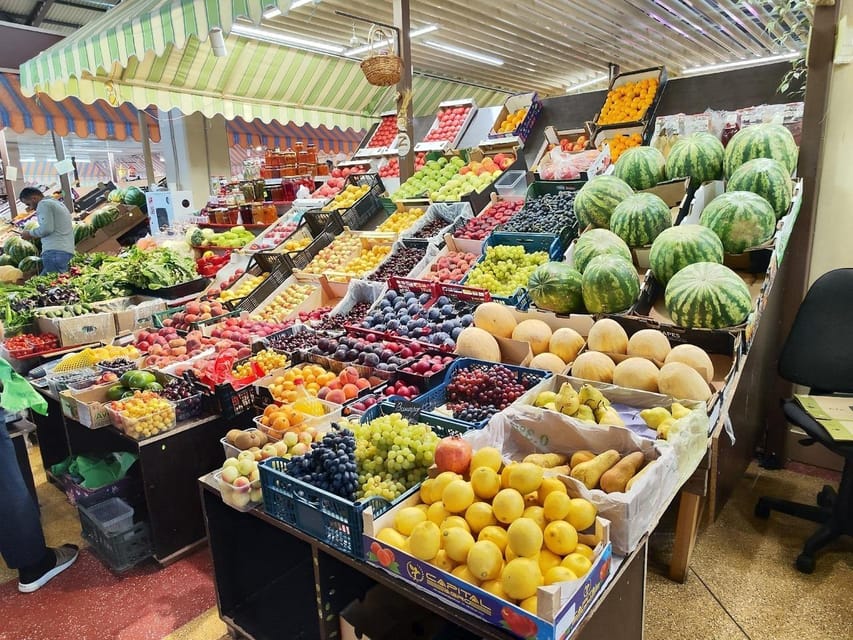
[
  {"x": 529, "y": 101},
  {"x": 469, "y": 106},
  {"x": 646, "y": 118},
  {"x": 560, "y": 606}
]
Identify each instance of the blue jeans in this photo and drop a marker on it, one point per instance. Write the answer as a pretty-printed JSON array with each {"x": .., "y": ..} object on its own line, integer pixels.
[
  {"x": 55, "y": 261},
  {"x": 21, "y": 537}
]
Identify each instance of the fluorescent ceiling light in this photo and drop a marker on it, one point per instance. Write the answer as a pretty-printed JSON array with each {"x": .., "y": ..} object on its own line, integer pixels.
[
  {"x": 278, "y": 37},
  {"x": 275, "y": 11},
  {"x": 465, "y": 53},
  {"x": 739, "y": 64},
  {"x": 412, "y": 34},
  {"x": 588, "y": 83}
]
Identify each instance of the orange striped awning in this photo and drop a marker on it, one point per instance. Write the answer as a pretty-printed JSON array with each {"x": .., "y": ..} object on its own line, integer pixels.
[
  {"x": 43, "y": 115},
  {"x": 283, "y": 136}
]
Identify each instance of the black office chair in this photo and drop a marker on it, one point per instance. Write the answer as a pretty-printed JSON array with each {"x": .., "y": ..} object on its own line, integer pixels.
[{"x": 819, "y": 354}]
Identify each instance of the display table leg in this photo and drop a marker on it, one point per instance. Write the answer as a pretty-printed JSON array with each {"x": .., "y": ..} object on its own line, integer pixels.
[{"x": 686, "y": 529}]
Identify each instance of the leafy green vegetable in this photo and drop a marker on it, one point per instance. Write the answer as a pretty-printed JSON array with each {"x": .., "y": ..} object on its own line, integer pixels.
[{"x": 157, "y": 268}]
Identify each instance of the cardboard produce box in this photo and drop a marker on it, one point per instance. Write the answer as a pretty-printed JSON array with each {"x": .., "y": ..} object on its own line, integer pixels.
[
  {"x": 134, "y": 312},
  {"x": 84, "y": 329},
  {"x": 88, "y": 407},
  {"x": 560, "y": 606}
]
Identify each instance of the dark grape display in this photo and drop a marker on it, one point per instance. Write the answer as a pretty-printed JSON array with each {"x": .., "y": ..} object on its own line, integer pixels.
[
  {"x": 330, "y": 465},
  {"x": 550, "y": 213},
  {"x": 477, "y": 392}
]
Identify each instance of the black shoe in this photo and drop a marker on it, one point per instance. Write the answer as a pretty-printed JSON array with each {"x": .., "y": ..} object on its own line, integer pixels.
[{"x": 65, "y": 555}]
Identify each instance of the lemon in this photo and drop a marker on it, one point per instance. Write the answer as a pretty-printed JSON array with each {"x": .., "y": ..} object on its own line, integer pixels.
[
  {"x": 508, "y": 505},
  {"x": 559, "y": 574},
  {"x": 442, "y": 480},
  {"x": 455, "y": 521},
  {"x": 457, "y": 496},
  {"x": 520, "y": 578},
  {"x": 495, "y": 534},
  {"x": 548, "y": 560},
  {"x": 577, "y": 564},
  {"x": 524, "y": 537},
  {"x": 457, "y": 543},
  {"x": 391, "y": 537},
  {"x": 406, "y": 519},
  {"x": 486, "y": 457},
  {"x": 495, "y": 588},
  {"x": 581, "y": 514},
  {"x": 463, "y": 573},
  {"x": 443, "y": 561},
  {"x": 437, "y": 513},
  {"x": 425, "y": 540},
  {"x": 505, "y": 474},
  {"x": 537, "y": 514},
  {"x": 586, "y": 551},
  {"x": 485, "y": 482},
  {"x": 561, "y": 537},
  {"x": 557, "y": 506},
  {"x": 485, "y": 560},
  {"x": 479, "y": 515},
  {"x": 423, "y": 507},
  {"x": 549, "y": 486},
  {"x": 529, "y": 604},
  {"x": 526, "y": 477},
  {"x": 428, "y": 492}
]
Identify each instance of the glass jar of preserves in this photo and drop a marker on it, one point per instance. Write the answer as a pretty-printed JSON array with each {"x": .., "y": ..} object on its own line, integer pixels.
[
  {"x": 322, "y": 169},
  {"x": 289, "y": 157},
  {"x": 248, "y": 189},
  {"x": 231, "y": 215},
  {"x": 246, "y": 214},
  {"x": 276, "y": 193},
  {"x": 288, "y": 171},
  {"x": 306, "y": 170},
  {"x": 270, "y": 213},
  {"x": 260, "y": 188},
  {"x": 311, "y": 150}
]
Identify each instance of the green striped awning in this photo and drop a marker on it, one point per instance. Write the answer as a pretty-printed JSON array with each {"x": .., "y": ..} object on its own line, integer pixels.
[{"x": 156, "y": 52}]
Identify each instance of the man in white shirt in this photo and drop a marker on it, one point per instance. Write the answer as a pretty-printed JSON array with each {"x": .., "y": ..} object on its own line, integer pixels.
[{"x": 55, "y": 230}]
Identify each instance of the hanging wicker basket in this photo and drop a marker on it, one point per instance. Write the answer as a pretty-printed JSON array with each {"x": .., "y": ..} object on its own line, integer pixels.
[{"x": 382, "y": 68}]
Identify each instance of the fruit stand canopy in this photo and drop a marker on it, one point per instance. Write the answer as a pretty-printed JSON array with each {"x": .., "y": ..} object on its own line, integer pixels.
[{"x": 156, "y": 52}]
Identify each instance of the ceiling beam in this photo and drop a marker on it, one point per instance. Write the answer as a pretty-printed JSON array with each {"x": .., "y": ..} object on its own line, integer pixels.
[
  {"x": 39, "y": 12},
  {"x": 100, "y": 6},
  {"x": 18, "y": 18}
]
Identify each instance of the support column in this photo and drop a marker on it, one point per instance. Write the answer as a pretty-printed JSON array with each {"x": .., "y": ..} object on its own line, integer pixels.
[
  {"x": 12, "y": 186},
  {"x": 405, "y": 107},
  {"x": 218, "y": 156},
  {"x": 142, "y": 118},
  {"x": 59, "y": 147},
  {"x": 192, "y": 146}
]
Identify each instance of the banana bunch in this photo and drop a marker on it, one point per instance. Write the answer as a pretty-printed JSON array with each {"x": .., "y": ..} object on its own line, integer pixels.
[
  {"x": 588, "y": 404},
  {"x": 661, "y": 419}
]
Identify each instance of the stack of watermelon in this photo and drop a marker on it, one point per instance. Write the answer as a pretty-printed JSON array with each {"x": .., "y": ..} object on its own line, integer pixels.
[{"x": 21, "y": 253}]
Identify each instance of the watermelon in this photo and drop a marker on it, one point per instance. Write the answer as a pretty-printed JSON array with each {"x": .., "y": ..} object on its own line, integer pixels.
[
  {"x": 6, "y": 261},
  {"x": 707, "y": 295},
  {"x": 116, "y": 195},
  {"x": 10, "y": 242},
  {"x": 768, "y": 178},
  {"x": 761, "y": 141},
  {"x": 641, "y": 167},
  {"x": 82, "y": 231},
  {"x": 104, "y": 217},
  {"x": 677, "y": 247},
  {"x": 555, "y": 286},
  {"x": 596, "y": 200},
  {"x": 698, "y": 157},
  {"x": 741, "y": 219},
  {"x": 596, "y": 242},
  {"x": 30, "y": 264},
  {"x": 20, "y": 249},
  {"x": 639, "y": 219},
  {"x": 609, "y": 284},
  {"x": 134, "y": 196}
]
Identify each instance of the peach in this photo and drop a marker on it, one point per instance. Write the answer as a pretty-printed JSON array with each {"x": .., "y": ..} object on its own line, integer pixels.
[
  {"x": 334, "y": 384},
  {"x": 361, "y": 383},
  {"x": 336, "y": 396},
  {"x": 350, "y": 391},
  {"x": 349, "y": 375}
]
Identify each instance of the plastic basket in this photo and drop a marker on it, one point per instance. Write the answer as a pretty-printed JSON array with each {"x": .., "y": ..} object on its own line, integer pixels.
[
  {"x": 237, "y": 497},
  {"x": 111, "y": 516},
  {"x": 331, "y": 519},
  {"x": 360, "y": 214},
  {"x": 122, "y": 488},
  {"x": 136, "y": 427},
  {"x": 440, "y": 425},
  {"x": 302, "y": 259},
  {"x": 263, "y": 291},
  {"x": 177, "y": 291},
  {"x": 234, "y": 402},
  {"x": 332, "y": 413},
  {"x": 370, "y": 179},
  {"x": 119, "y": 551}
]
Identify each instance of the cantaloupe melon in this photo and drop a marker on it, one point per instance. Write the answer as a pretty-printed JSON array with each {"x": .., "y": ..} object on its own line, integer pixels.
[
  {"x": 548, "y": 362},
  {"x": 476, "y": 343},
  {"x": 637, "y": 373},
  {"x": 495, "y": 318},
  {"x": 694, "y": 357},
  {"x": 566, "y": 343},
  {"x": 593, "y": 365},
  {"x": 536, "y": 332},
  {"x": 649, "y": 343},
  {"x": 682, "y": 382},
  {"x": 607, "y": 335}
]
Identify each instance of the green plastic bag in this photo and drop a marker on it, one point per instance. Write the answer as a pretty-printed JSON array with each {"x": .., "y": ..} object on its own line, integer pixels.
[
  {"x": 18, "y": 394},
  {"x": 95, "y": 472}
]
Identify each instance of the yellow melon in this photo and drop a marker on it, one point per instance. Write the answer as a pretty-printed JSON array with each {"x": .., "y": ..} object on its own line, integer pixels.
[
  {"x": 637, "y": 373},
  {"x": 649, "y": 343},
  {"x": 536, "y": 332},
  {"x": 495, "y": 318},
  {"x": 694, "y": 357},
  {"x": 682, "y": 382},
  {"x": 566, "y": 343},
  {"x": 548, "y": 362},
  {"x": 593, "y": 365},
  {"x": 608, "y": 336},
  {"x": 476, "y": 343}
]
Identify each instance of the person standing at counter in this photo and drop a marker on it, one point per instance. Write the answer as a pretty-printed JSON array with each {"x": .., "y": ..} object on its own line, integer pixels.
[{"x": 55, "y": 230}]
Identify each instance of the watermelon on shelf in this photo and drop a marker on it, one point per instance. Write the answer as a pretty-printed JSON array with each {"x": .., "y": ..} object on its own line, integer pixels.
[
  {"x": 761, "y": 141},
  {"x": 17, "y": 249},
  {"x": 596, "y": 200},
  {"x": 104, "y": 217},
  {"x": 82, "y": 231},
  {"x": 116, "y": 195},
  {"x": 134, "y": 196},
  {"x": 609, "y": 284},
  {"x": 698, "y": 157},
  {"x": 741, "y": 219},
  {"x": 598, "y": 242},
  {"x": 555, "y": 286},
  {"x": 678, "y": 247},
  {"x": 641, "y": 167},
  {"x": 638, "y": 220},
  {"x": 767, "y": 178},
  {"x": 6, "y": 261},
  {"x": 30, "y": 264},
  {"x": 707, "y": 295}
]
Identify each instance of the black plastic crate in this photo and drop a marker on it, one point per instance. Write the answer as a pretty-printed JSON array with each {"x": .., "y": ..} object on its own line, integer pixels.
[
  {"x": 371, "y": 179},
  {"x": 364, "y": 211},
  {"x": 264, "y": 290},
  {"x": 319, "y": 221},
  {"x": 303, "y": 258},
  {"x": 119, "y": 551},
  {"x": 234, "y": 402}
]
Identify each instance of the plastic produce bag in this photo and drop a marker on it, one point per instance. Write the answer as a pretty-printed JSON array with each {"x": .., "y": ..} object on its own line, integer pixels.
[
  {"x": 18, "y": 394},
  {"x": 92, "y": 472}
]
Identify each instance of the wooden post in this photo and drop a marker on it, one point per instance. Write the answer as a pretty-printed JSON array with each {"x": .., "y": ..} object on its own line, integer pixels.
[
  {"x": 405, "y": 121},
  {"x": 146, "y": 147},
  {"x": 64, "y": 180},
  {"x": 11, "y": 194}
]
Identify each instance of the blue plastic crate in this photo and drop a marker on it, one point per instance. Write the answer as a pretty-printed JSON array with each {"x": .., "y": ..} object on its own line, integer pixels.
[
  {"x": 440, "y": 425},
  {"x": 532, "y": 242},
  {"x": 323, "y": 515}
]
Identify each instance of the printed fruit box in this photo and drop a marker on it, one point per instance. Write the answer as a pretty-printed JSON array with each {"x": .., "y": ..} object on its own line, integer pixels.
[
  {"x": 647, "y": 116},
  {"x": 553, "y": 138},
  {"x": 83, "y": 329},
  {"x": 561, "y": 605},
  {"x": 88, "y": 407},
  {"x": 527, "y": 103},
  {"x": 132, "y": 313}
]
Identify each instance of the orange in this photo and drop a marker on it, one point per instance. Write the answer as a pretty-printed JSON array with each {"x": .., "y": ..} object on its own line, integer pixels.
[
  {"x": 281, "y": 423},
  {"x": 350, "y": 391}
]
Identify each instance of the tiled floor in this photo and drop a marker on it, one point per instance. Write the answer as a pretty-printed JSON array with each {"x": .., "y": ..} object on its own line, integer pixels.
[{"x": 742, "y": 583}]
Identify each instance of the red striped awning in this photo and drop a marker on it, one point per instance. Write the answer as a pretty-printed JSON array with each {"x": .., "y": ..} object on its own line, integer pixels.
[
  {"x": 283, "y": 136},
  {"x": 43, "y": 115}
]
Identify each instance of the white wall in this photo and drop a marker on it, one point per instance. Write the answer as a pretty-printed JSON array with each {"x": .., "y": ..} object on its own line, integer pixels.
[{"x": 831, "y": 247}]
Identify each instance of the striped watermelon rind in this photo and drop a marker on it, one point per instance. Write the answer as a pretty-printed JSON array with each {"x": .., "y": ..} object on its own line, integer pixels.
[
  {"x": 767, "y": 178},
  {"x": 638, "y": 220},
  {"x": 698, "y": 157},
  {"x": 641, "y": 167},
  {"x": 609, "y": 284},
  {"x": 678, "y": 247},
  {"x": 761, "y": 141},
  {"x": 556, "y": 286},
  {"x": 707, "y": 295},
  {"x": 596, "y": 200},
  {"x": 597, "y": 242},
  {"x": 741, "y": 219}
]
